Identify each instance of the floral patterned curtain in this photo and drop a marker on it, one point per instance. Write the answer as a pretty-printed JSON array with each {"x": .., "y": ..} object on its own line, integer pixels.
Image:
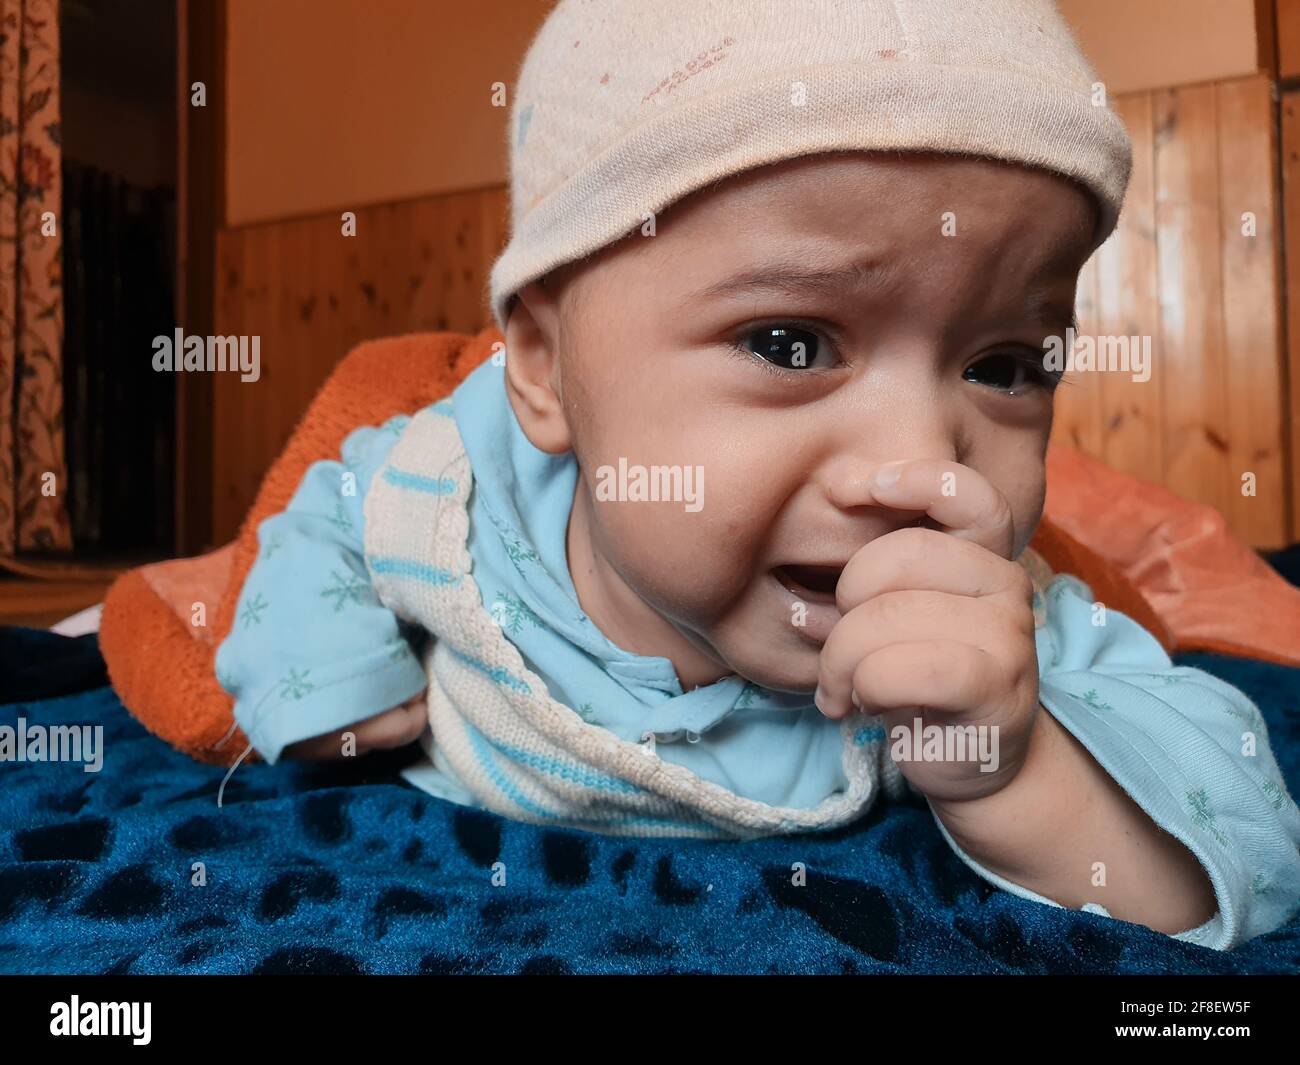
[{"x": 33, "y": 477}]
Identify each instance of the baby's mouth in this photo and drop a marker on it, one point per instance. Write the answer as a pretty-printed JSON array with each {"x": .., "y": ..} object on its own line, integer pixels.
[{"x": 814, "y": 584}]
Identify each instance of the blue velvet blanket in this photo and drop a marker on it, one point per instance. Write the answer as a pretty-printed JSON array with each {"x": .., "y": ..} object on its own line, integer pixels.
[{"x": 343, "y": 868}]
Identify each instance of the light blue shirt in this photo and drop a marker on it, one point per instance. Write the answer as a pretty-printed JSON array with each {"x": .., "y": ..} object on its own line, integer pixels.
[{"x": 312, "y": 650}]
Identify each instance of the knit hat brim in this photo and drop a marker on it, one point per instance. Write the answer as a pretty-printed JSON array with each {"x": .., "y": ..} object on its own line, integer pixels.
[{"x": 890, "y": 106}]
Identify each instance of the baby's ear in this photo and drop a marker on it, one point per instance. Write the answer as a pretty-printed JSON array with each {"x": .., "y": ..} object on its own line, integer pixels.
[{"x": 532, "y": 369}]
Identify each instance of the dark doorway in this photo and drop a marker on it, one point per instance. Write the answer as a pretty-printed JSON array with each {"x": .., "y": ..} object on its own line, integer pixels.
[{"x": 119, "y": 121}]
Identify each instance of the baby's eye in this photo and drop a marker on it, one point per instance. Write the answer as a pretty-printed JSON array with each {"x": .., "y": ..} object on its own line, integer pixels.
[
  {"x": 1012, "y": 372},
  {"x": 787, "y": 345}
]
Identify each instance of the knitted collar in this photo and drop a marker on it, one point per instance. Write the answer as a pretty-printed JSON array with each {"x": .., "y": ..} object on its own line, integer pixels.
[{"x": 556, "y": 706}]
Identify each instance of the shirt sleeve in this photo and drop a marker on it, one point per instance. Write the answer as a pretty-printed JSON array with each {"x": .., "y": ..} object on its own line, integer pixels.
[
  {"x": 1191, "y": 750},
  {"x": 311, "y": 648}
]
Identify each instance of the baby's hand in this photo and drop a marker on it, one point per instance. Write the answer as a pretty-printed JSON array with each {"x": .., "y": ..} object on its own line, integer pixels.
[
  {"x": 393, "y": 728},
  {"x": 940, "y": 626}
]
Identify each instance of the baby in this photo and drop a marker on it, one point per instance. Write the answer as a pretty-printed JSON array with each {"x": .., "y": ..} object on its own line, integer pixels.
[{"x": 814, "y": 250}]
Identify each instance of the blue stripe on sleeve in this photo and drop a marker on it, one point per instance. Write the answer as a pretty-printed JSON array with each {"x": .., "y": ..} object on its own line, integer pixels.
[
  {"x": 415, "y": 482},
  {"x": 409, "y": 567}
]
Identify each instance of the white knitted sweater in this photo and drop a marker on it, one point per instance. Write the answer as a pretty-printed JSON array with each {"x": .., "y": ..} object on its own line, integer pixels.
[{"x": 512, "y": 746}]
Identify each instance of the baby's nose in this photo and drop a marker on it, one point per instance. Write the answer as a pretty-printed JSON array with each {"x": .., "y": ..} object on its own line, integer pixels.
[
  {"x": 848, "y": 480},
  {"x": 895, "y": 418}
]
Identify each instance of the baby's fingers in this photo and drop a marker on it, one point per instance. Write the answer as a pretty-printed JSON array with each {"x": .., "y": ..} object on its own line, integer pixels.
[
  {"x": 959, "y": 498},
  {"x": 944, "y": 675},
  {"x": 927, "y": 560},
  {"x": 894, "y": 618},
  {"x": 393, "y": 728}
]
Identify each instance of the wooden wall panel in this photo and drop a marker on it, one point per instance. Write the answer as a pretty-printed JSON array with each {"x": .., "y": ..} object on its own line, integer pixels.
[
  {"x": 1252, "y": 319},
  {"x": 1287, "y": 36},
  {"x": 1129, "y": 306},
  {"x": 1191, "y": 358},
  {"x": 1290, "y": 131},
  {"x": 312, "y": 294},
  {"x": 1181, "y": 270}
]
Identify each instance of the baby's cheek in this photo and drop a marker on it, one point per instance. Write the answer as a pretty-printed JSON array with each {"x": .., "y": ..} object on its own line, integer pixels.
[
  {"x": 1025, "y": 496},
  {"x": 686, "y": 563}
]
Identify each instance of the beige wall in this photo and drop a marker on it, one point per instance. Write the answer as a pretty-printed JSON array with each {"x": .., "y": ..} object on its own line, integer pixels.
[
  {"x": 1152, "y": 44},
  {"x": 341, "y": 103}
]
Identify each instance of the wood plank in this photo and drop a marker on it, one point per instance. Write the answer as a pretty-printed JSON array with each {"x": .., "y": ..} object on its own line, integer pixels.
[
  {"x": 1251, "y": 314},
  {"x": 1266, "y": 49},
  {"x": 1196, "y": 427},
  {"x": 1288, "y": 38},
  {"x": 1128, "y": 306},
  {"x": 1290, "y": 133},
  {"x": 40, "y": 604}
]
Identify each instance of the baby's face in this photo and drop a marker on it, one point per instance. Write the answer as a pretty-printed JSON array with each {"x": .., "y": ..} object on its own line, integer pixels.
[{"x": 787, "y": 332}]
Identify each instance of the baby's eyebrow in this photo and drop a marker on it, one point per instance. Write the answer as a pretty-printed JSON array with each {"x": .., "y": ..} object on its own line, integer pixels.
[
  {"x": 1043, "y": 306},
  {"x": 797, "y": 279}
]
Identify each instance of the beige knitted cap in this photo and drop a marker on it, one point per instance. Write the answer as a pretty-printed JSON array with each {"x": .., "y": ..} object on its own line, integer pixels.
[{"x": 623, "y": 107}]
